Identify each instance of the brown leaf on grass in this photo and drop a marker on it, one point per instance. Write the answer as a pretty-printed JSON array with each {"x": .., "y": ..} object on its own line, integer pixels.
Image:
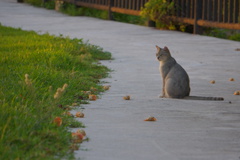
[
  {"x": 81, "y": 131},
  {"x": 77, "y": 137},
  {"x": 92, "y": 97},
  {"x": 57, "y": 121}
]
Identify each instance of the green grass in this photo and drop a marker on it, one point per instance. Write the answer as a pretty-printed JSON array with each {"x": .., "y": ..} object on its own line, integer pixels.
[
  {"x": 222, "y": 33},
  {"x": 73, "y": 10},
  {"x": 129, "y": 19},
  {"x": 49, "y": 4},
  {"x": 28, "y": 106}
]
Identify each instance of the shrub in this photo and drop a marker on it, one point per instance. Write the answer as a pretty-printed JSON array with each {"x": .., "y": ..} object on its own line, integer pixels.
[{"x": 159, "y": 11}]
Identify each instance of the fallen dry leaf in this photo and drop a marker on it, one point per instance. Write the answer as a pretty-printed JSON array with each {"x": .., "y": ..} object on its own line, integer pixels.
[
  {"x": 81, "y": 131},
  {"x": 79, "y": 115},
  {"x": 106, "y": 87},
  {"x": 213, "y": 81},
  {"x": 92, "y": 97},
  {"x": 236, "y": 93},
  {"x": 126, "y": 98},
  {"x": 237, "y": 49},
  {"x": 150, "y": 119}
]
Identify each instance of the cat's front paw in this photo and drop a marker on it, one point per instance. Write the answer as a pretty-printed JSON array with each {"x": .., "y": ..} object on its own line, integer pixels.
[{"x": 161, "y": 96}]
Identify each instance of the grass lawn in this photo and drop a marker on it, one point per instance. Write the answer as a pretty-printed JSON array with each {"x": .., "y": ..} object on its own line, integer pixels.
[{"x": 32, "y": 68}]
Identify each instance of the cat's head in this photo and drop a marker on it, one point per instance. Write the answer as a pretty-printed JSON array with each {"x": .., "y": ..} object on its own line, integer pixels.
[{"x": 163, "y": 54}]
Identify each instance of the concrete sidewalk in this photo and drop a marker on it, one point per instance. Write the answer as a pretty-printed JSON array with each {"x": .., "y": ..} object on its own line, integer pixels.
[{"x": 185, "y": 129}]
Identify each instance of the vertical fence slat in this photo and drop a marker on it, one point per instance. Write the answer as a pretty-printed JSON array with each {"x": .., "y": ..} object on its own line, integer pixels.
[
  {"x": 177, "y": 5},
  {"x": 238, "y": 14},
  {"x": 134, "y": 4},
  {"x": 125, "y": 4},
  {"x": 230, "y": 15},
  {"x": 118, "y": 3},
  {"x": 225, "y": 16},
  {"x": 215, "y": 9},
  {"x": 220, "y": 11},
  {"x": 192, "y": 8},
  {"x": 188, "y": 9},
  {"x": 184, "y": 8},
  {"x": 142, "y": 2},
  {"x": 205, "y": 10},
  {"x": 137, "y": 5},
  {"x": 110, "y": 4},
  {"x": 236, "y": 11},
  {"x": 209, "y": 10},
  {"x": 197, "y": 16}
]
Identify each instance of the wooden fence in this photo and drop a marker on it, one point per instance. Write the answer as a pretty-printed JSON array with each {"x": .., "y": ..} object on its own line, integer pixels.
[
  {"x": 199, "y": 13},
  {"x": 209, "y": 13}
]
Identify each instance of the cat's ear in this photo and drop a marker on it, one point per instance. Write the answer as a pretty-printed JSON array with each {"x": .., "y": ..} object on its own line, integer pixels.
[
  {"x": 166, "y": 48},
  {"x": 158, "y": 48}
]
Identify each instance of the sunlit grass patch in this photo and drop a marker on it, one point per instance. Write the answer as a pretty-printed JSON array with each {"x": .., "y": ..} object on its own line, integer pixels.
[{"x": 34, "y": 68}]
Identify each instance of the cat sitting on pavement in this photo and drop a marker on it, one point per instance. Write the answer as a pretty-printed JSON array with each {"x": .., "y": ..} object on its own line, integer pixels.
[{"x": 175, "y": 78}]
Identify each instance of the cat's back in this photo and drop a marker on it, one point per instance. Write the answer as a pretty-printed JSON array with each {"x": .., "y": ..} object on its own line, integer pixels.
[
  {"x": 178, "y": 72},
  {"x": 171, "y": 68}
]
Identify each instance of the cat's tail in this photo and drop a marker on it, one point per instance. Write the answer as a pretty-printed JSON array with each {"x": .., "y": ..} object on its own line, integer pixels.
[{"x": 204, "y": 98}]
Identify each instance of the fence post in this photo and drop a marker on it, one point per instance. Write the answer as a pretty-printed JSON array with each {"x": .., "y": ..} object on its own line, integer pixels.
[
  {"x": 110, "y": 4},
  {"x": 197, "y": 15}
]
